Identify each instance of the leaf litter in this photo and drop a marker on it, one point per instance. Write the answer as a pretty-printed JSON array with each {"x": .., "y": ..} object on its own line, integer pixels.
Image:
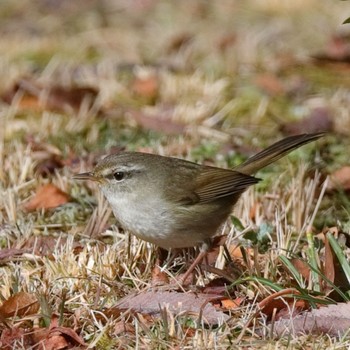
[{"x": 147, "y": 106}]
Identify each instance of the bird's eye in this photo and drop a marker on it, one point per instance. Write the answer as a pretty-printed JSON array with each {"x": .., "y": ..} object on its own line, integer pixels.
[{"x": 119, "y": 175}]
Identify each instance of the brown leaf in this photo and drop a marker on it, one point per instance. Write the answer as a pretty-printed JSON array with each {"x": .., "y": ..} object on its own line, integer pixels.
[
  {"x": 275, "y": 302},
  {"x": 161, "y": 123},
  {"x": 60, "y": 98},
  {"x": 320, "y": 119},
  {"x": 147, "y": 87},
  {"x": 45, "y": 245},
  {"x": 302, "y": 267},
  {"x": 19, "y": 304},
  {"x": 53, "y": 97},
  {"x": 333, "y": 320},
  {"x": 54, "y": 342},
  {"x": 226, "y": 41},
  {"x": 12, "y": 336},
  {"x": 270, "y": 84},
  {"x": 329, "y": 269},
  {"x": 68, "y": 333},
  {"x": 159, "y": 277},
  {"x": 47, "y": 197},
  {"x": 48, "y": 166},
  {"x": 336, "y": 51},
  {"x": 340, "y": 179},
  {"x": 123, "y": 327},
  {"x": 7, "y": 253},
  {"x": 214, "y": 250},
  {"x": 178, "y": 41},
  {"x": 57, "y": 337},
  {"x": 194, "y": 305},
  {"x": 231, "y": 304},
  {"x": 47, "y": 157},
  {"x": 332, "y": 266}
]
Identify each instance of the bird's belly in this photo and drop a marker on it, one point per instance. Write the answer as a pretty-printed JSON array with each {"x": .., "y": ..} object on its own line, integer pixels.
[
  {"x": 166, "y": 226},
  {"x": 160, "y": 231}
]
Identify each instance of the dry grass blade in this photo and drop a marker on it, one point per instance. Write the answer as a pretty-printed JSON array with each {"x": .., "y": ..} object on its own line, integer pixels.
[{"x": 99, "y": 218}]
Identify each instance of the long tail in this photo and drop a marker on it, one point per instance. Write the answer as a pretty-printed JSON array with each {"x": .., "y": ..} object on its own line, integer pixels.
[{"x": 275, "y": 152}]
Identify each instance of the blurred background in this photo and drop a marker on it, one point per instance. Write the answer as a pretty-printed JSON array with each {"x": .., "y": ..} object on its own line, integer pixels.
[{"x": 157, "y": 72}]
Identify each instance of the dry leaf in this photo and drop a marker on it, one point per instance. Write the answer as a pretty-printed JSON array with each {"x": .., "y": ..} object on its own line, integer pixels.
[
  {"x": 340, "y": 179},
  {"x": 159, "y": 277},
  {"x": 276, "y": 302},
  {"x": 302, "y": 267},
  {"x": 333, "y": 320},
  {"x": 53, "y": 97},
  {"x": 337, "y": 51},
  {"x": 47, "y": 197},
  {"x": 231, "y": 304},
  {"x": 45, "y": 245},
  {"x": 161, "y": 123},
  {"x": 226, "y": 41},
  {"x": 178, "y": 41},
  {"x": 190, "y": 304},
  {"x": 7, "y": 253},
  {"x": 122, "y": 327},
  {"x": 270, "y": 84},
  {"x": 147, "y": 87},
  {"x": 19, "y": 304},
  {"x": 320, "y": 119},
  {"x": 12, "y": 336},
  {"x": 58, "y": 337},
  {"x": 330, "y": 258}
]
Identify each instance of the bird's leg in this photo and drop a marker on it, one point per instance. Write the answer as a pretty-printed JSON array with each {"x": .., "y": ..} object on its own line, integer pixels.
[{"x": 203, "y": 252}]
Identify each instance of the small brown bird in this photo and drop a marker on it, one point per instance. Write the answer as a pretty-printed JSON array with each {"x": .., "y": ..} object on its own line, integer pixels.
[{"x": 175, "y": 203}]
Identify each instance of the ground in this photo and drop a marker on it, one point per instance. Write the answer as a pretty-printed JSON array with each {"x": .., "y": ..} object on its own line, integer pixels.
[{"x": 211, "y": 82}]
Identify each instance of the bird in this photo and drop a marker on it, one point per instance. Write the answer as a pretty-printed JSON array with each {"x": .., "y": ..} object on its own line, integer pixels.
[{"x": 176, "y": 203}]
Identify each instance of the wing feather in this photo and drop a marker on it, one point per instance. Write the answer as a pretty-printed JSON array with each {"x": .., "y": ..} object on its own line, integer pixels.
[{"x": 214, "y": 183}]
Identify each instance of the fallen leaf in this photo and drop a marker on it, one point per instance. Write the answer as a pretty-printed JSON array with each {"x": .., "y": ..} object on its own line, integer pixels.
[
  {"x": 45, "y": 245},
  {"x": 332, "y": 320},
  {"x": 57, "y": 337},
  {"x": 275, "y": 302},
  {"x": 329, "y": 266},
  {"x": 7, "y": 253},
  {"x": 320, "y": 119},
  {"x": 123, "y": 327},
  {"x": 214, "y": 250},
  {"x": 270, "y": 84},
  {"x": 159, "y": 277},
  {"x": 302, "y": 267},
  {"x": 189, "y": 304},
  {"x": 340, "y": 179},
  {"x": 336, "y": 51},
  {"x": 47, "y": 197},
  {"x": 332, "y": 266},
  {"x": 161, "y": 123},
  {"x": 48, "y": 166},
  {"x": 19, "y": 304},
  {"x": 178, "y": 41},
  {"x": 231, "y": 304},
  {"x": 226, "y": 41},
  {"x": 58, "y": 98},
  {"x": 10, "y": 337},
  {"x": 147, "y": 87}
]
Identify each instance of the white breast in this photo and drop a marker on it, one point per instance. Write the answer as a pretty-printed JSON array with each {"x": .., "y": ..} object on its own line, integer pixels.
[{"x": 146, "y": 219}]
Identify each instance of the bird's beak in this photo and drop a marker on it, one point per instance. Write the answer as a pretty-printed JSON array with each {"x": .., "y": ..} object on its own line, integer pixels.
[{"x": 86, "y": 176}]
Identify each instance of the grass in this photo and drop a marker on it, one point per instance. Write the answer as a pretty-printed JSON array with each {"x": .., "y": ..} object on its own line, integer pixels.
[{"x": 207, "y": 83}]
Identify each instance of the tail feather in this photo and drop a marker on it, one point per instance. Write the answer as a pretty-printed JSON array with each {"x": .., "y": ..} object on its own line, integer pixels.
[{"x": 275, "y": 152}]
